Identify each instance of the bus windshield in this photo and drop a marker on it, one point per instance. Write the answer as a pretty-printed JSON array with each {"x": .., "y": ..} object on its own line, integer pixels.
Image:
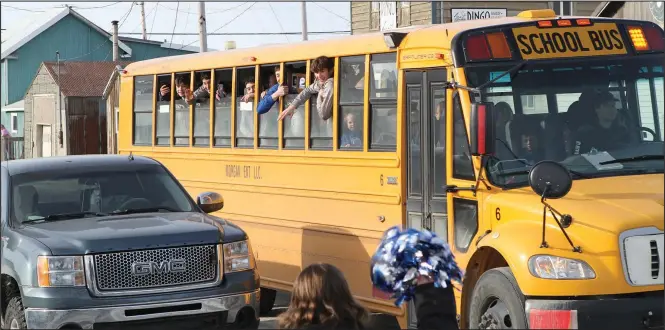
[{"x": 598, "y": 117}]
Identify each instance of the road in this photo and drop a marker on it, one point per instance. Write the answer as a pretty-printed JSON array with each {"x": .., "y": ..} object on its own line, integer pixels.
[{"x": 282, "y": 301}]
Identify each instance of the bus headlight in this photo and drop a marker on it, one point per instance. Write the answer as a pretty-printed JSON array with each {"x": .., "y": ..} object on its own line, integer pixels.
[
  {"x": 558, "y": 268},
  {"x": 60, "y": 271},
  {"x": 238, "y": 256}
]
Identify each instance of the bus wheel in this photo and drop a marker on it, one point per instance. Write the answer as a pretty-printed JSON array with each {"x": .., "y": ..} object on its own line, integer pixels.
[
  {"x": 267, "y": 300},
  {"x": 497, "y": 302}
]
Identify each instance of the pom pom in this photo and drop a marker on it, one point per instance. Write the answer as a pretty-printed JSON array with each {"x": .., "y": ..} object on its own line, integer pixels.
[{"x": 405, "y": 255}]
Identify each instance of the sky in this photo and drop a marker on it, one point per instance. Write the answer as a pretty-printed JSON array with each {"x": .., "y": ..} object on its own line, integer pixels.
[{"x": 222, "y": 17}]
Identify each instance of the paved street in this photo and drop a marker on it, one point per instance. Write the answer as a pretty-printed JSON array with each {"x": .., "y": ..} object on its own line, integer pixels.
[{"x": 282, "y": 301}]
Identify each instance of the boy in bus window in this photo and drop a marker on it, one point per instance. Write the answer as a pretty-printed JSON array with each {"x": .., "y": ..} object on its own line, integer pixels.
[
  {"x": 184, "y": 93},
  {"x": 249, "y": 91},
  {"x": 608, "y": 131},
  {"x": 323, "y": 68},
  {"x": 272, "y": 95},
  {"x": 352, "y": 136},
  {"x": 202, "y": 93}
]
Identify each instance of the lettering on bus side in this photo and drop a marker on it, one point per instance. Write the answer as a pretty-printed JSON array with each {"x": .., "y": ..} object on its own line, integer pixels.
[
  {"x": 569, "y": 42},
  {"x": 244, "y": 172}
]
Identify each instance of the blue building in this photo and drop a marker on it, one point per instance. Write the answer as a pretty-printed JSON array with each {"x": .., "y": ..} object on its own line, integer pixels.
[{"x": 62, "y": 30}]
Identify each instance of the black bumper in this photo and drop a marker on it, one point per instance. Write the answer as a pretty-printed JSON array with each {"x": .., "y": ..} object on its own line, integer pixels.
[{"x": 638, "y": 311}]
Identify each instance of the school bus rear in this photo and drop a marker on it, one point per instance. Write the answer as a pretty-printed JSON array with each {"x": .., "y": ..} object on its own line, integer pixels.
[{"x": 569, "y": 231}]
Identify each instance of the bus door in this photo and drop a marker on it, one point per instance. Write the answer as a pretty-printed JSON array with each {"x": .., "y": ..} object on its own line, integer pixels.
[{"x": 426, "y": 206}]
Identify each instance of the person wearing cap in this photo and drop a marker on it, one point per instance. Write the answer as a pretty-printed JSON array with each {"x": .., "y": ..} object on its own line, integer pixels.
[{"x": 608, "y": 130}]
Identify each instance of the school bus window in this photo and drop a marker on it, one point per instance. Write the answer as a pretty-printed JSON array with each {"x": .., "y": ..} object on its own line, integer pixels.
[
  {"x": 222, "y": 103},
  {"x": 320, "y": 131},
  {"x": 383, "y": 102},
  {"x": 181, "y": 120},
  {"x": 163, "y": 100},
  {"x": 201, "y": 102},
  {"x": 143, "y": 90},
  {"x": 465, "y": 219},
  {"x": 294, "y": 126},
  {"x": 649, "y": 118},
  {"x": 268, "y": 107},
  {"x": 414, "y": 134},
  {"x": 462, "y": 165},
  {"x": 438, "y": 149},
  {"x": 534, "y": 104},
  {"x": 246, "y": 89},
  {"x": 350, "y": 127}
]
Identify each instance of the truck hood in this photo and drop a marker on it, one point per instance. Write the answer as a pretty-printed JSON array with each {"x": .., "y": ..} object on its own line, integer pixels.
[
  {"x": 611, "y": 205},
  {"x": 129, "y": 232}
]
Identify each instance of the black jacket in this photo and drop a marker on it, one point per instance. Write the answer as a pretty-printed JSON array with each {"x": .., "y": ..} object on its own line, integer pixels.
[{"x": 435, "y": 309}]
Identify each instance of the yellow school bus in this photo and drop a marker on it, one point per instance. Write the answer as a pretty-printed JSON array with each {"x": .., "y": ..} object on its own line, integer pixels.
[{"x": 533, "y": 144}]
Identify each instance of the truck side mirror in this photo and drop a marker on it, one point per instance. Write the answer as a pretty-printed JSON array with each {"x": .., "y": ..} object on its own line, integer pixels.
[
  {"x": 210, "y": 202},
  {"x": 482, "y": 129}
]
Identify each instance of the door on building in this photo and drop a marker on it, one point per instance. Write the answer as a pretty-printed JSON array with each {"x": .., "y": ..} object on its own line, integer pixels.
[
  {"x": 426, "y": 206},
  {"x": 46, "y": 139}
]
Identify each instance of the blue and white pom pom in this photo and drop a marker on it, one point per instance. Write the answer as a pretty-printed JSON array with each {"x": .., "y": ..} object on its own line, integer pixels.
[{"x": 403, "y": 255}]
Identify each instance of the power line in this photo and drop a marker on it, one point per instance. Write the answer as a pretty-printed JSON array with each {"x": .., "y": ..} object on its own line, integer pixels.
[
  {"x": 99, "y": 7},
  {"x": 28, "y": 10},
  {"x": 174, "y": 25},
  {"x": 278, "y": 22},
  {"x": 235, "y": 33},
  {"x": 330, "y": 11},
  {"x": 221, "y": 27}
]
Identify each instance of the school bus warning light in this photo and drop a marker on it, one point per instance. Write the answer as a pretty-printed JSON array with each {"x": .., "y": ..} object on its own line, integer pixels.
[
  {"x": 488, "y": 46},
  {"x": 646, "y": 38}
]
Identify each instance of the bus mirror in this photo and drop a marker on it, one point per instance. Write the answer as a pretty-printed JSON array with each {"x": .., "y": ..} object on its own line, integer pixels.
[
  {"x": 550, "y": 180},
  {"x": 482, "y": 129}
]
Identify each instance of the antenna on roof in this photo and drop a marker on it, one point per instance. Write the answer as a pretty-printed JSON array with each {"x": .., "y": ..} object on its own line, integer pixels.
[{"x": 131, "y": 155}]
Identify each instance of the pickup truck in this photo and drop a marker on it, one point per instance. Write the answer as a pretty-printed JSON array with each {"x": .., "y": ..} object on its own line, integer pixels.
[{"x": 113, "y": 241}]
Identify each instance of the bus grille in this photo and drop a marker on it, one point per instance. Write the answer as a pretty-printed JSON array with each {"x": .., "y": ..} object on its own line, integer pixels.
[
  {"x": 145, "y": 269},
  {"x": 655, "y": 260},
  {"x": 643, "y": 259}
]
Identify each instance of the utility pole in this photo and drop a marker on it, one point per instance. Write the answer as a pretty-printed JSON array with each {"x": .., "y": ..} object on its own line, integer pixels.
[
  {"x": 145, "y": 34},
  {"x": 59, "y": 103},
  {"x": 116, "y": 52},
  {"x": 203, "y": 36},
  {"x": 304, "y": 20}
]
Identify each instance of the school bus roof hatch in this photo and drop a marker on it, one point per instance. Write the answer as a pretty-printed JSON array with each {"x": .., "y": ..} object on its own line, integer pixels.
[{"x": 540, "y": 13}]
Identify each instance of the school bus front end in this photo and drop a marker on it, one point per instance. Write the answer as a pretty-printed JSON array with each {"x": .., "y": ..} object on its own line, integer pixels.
[{"x": 565, "y": 124}]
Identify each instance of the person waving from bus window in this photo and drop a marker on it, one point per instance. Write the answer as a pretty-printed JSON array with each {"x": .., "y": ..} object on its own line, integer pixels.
[
  {"x": 272, "y": 95},
  {"x": 202, "y": 93},
  {"x": 322, "y": 67},
  {"x": 250, "y": 88}
]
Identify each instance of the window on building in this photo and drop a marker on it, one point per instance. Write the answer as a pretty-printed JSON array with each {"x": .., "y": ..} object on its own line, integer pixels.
[
  {"x": 269, "y": 76},
  {"x": 320, "y": 131},
  {"x": 163, "y": 99},
  {"x": 117, "y": 118},
  {"x": 223, "y": 99},
  {"x": 143, "y": 90},
  {"x": 246, "y": 95},
  {"x": 383, "y": 102},
  {"x": 14, "y": 123},
  {"x": 201, "y": 103},
  {"x": 181, "y": 120},
  {"x": 563, "y": 8},
  {"x": 351, "y": 97},
  {"x": 294, "y": 126}
]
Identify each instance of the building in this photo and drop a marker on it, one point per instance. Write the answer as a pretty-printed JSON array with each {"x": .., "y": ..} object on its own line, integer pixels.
[
  {"x": 66, "y": 31},
  {"x": 111, "y": 97},
  {"x": 375, "y": 16},
  {"x": 647, "y": 11},
  {"x": 79, "y": 127}
]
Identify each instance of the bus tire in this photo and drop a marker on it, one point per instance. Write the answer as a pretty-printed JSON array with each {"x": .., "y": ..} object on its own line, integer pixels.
[
  {"x": 497, "y": 302},
  {"x": 267, "y": 300}
]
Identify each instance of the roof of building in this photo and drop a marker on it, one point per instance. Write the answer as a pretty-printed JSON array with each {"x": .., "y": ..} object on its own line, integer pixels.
[
  {"x": 16, "y": 106},
  {"x": 82, "y": 79},
  {"x": 17, "y": 36}
]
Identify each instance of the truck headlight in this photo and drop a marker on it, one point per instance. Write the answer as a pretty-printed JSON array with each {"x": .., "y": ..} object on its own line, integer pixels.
[
  {"x": 60, "y": 271},
  {"x": 238, "y": 256},
  {"x": 558, "y": 268}
]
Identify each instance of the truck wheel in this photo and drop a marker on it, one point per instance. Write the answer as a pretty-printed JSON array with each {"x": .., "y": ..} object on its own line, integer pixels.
[
  {"x": 14, "y": 315},
  {"x": 267, "y": 300},
  {"x": 497, "y": 302}
]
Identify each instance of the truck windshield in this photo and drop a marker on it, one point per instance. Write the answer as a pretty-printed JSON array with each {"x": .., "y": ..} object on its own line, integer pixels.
[
  {"x": 598, "y": 117},
  {"x": 89, "y": 192}
]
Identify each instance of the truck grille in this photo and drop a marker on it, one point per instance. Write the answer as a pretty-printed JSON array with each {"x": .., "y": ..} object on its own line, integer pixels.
[{"x": 116, "y": 271}]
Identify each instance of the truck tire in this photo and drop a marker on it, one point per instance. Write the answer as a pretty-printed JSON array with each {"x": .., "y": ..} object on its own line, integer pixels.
[
  {"x": 267, "y": 300},
  {"x": 15, "y": 315},
  {"x": 497, "y": 302}
]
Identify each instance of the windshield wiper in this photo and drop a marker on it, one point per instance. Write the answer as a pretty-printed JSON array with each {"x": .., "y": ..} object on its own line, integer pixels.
[
  {"x": 65, "y": 216},
  {"x": 145, "y": 210},
  {"x": 633, "y": 159},
  {"x": 526, "y": 171}
]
